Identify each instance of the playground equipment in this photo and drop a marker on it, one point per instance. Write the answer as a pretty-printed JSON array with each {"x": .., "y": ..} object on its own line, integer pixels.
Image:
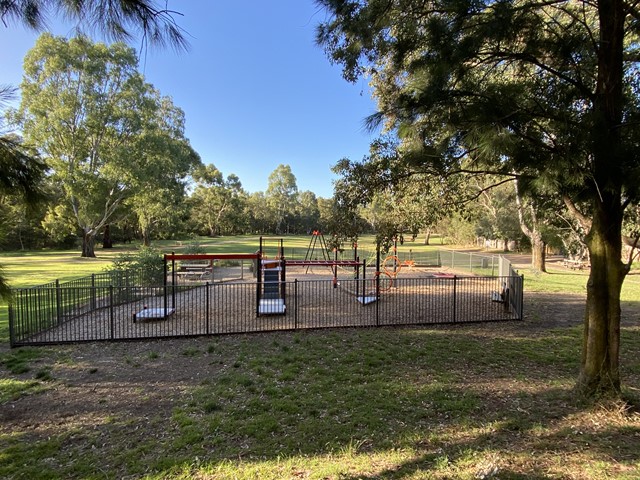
[
  {"x": 199, "y": 270},
  {"x": 271, "y": 278},
  {"x": 392, "y": 265},
  {"x": 317, "y": 241},
  {"x": 270, "y": 272}
]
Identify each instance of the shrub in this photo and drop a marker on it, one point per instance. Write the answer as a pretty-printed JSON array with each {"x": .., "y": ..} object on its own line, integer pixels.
[
  {"x": 193, "y": 248},
  {"x": 144, "y": 268}
]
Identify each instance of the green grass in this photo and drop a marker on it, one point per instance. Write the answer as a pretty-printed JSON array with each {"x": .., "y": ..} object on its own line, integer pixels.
[
  {"x": 561, "y": 280},
  {"x": 19, "y": 360},
  {"x": 12, "y": 389},
  {"x": 372, "y": 404}
]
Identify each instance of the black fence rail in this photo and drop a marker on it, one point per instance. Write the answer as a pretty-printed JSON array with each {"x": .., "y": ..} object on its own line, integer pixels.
[{"x": 61, "y": 314}]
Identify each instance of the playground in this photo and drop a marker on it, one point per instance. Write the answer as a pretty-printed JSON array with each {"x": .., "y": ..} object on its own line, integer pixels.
[
  {"x": 261, "y": 395},
  {"x": 265, "y": 292}
]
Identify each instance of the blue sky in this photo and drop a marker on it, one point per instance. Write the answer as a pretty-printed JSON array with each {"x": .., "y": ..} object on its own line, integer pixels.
[{"x": 256, "y": 90}]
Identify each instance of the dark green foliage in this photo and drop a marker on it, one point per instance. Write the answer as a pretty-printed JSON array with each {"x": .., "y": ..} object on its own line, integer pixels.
[{"x": 542, "y": 92}]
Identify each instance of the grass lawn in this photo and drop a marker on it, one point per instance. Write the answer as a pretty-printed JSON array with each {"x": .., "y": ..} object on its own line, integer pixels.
[{"x": 469, "y": 402}]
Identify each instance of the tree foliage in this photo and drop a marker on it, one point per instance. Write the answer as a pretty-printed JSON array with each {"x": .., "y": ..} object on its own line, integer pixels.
[
  {"x": 105, "y": 132},
  {"x": 216, "y": 202},
  {"x": 21, "y": 179},
  {"x": 119, "y": 20},
  {"x": 515, "y": 88},
  {"x": 394, "y": 199},
  {"x": 282, "y": 197}
]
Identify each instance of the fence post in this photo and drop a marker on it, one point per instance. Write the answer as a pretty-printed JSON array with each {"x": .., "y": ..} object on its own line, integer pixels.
[
  {"x": 455, "y": 301},
  {"x": 207, "y": 306},
  {"x": 111, "y": 319},
  {"x": 165, "y": 299},
  {"x": 378, "y": 286},
  {"x": 258, "y": 279},
  {"x": 58, "y": 305},
  {"x": 93, "y": 291},
  {"x": 12, "y": 332},
  {"x": 295, "y": 304},
  {"x": 521, "y": 297}
]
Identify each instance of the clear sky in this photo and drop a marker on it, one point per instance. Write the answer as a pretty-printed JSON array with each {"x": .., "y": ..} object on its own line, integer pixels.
[{"x": 256, "y": 90}]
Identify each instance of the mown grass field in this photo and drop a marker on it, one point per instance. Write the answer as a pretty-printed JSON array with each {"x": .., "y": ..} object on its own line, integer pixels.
[{"x": 470, "y": 402}]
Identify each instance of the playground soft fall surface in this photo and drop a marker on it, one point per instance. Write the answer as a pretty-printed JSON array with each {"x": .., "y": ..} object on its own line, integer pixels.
[{"x": 314, "y": 296}]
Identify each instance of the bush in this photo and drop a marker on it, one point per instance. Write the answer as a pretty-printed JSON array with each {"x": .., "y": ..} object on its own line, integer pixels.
[
  {"x": 193, "y": 248},
  {"x": 144, "y": 268}
]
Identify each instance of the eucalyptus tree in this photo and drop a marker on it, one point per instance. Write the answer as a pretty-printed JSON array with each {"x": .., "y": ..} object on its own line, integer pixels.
[
  {"x": 533, "y": 90},
  {"x": 334, "y": 217},
  {"x": 165, "y": 161},
  {"x": 497, "y": 215},
  {"x": 20, "y": 170},
  {"x": 282, "y": 197},
  {"x": 308, "y": 214},
  {"x": 538, "y": 215},
  {"x": 99, "y": 126},
  {"x": 260, "y": 217},
  {"x": 215, "y": 201},
  {"x": 394, "y": 207}
]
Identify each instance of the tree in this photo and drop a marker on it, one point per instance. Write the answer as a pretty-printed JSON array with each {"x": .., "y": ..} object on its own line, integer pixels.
[
  {"x": 498, "y": 212},
  {"x": 22, "y": 171},
  {"x": 514, "y": 88},
  {"x": 99, "y": 125},
  {"x": 259, "y": 214},
  {"x": 391, "y": 207},
  {"x": 215, "y": 200},
  {"x": 282, "y": 197},
  {"x": 534, "y": 221},
  {"x": 165, "y": 161},
  {"x": 308, "y": 213},
  {"x": 117, "y": 20}
]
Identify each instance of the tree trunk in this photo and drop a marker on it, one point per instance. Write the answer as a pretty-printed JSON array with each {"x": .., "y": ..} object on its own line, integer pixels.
[
  {"x": 601, "y": 337},
  {"x": 538, "y": 253},
  {"x": 88, "y": 244},
  {"x": 107, "y": 242},
  {"x": 427, "y": 236},
  {"x": 146, "y": 237}
]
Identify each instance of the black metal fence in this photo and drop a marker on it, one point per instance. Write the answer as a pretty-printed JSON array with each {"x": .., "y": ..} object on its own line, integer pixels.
[{"x": 57, "y": 313}]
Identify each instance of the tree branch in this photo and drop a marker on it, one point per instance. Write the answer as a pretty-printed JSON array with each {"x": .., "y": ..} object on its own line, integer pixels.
[{"x": 582, "y": 219}]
